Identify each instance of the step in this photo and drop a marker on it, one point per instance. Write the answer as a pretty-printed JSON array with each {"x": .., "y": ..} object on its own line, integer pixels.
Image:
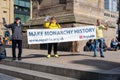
[
  {"x": 53, "y": 69},
  {"x": 26, "y": 74},
  {"x": 7, "y": 77},
  {"x": 67, "y": 71}
]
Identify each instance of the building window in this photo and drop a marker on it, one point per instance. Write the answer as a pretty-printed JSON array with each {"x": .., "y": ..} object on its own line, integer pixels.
[
  {"x": 16, "y": 2},
  {"x": 111, "y": 5},
  {"x": 106, "y": 4},
  {"x": 62, "y": 1},
  {"x": 4, "y": 11},
  {"x": 27, "y": 4},
  {"x": 22, "y": 9},
  {"x": 113, "y": 16},
  {"x": 107, "y": 14},
  {"x": 22, "y": 3}
]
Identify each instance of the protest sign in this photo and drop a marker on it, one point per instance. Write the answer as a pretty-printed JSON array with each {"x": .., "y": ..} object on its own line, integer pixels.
[{"x": 40, "y": 36}]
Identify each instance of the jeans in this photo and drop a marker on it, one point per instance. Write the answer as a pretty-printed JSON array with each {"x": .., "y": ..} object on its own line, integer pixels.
[
  {"x": 114, "y": 46},
  {"x": 91, "y": 48},
  {"x": 100, "y": 42}
]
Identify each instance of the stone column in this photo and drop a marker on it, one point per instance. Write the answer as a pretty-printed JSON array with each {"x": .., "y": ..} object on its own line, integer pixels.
[
  {"x": 11, "y": 11},
  {"x": 31, "y": 9}
]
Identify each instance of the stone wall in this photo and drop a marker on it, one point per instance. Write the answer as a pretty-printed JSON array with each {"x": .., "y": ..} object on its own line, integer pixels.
[
  {"x": 87, "y": 11},
  {"x": 109, "y": 35},
  {"x": 77, "y": 12},
  {"x": 50, "y": 7},
  {"x": 6, "y": 11}
]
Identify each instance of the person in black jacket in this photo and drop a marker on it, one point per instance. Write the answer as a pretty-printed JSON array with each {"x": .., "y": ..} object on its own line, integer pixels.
[{"x": 16, "y": 37}]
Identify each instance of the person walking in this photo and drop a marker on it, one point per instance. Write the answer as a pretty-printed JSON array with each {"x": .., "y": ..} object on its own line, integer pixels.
[
  {"x": 16, "y": 37},
  {"x": 99, "y": 38},
  {"x": 52, "y": 24}
]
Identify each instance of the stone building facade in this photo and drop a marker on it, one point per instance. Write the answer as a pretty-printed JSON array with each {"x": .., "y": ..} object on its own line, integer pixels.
[
  {"x": 7, "y": 12},
  {"x": 71, "y": 12}
]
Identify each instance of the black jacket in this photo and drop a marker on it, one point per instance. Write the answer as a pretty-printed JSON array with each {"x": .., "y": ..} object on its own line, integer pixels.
[{"x": 16, "y": 31}]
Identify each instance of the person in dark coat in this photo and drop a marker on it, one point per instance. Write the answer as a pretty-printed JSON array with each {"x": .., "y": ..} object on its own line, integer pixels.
[{"x": 16, "y": 37}]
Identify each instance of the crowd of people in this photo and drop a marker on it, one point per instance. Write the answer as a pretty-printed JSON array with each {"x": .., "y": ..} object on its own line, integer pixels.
[
  {"x": 114, "y": 45},
  {"x": 51, "y": 23}
]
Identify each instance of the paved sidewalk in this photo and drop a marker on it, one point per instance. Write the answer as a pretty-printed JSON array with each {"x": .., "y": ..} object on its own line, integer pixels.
[{"x": 80, "y": 61}]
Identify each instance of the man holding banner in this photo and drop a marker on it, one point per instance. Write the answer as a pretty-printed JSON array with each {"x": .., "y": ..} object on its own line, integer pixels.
[
  {"x": 99, "y": 38},
  {"x": 52, "y": 25},
  {"x": 16, "y": 37}
]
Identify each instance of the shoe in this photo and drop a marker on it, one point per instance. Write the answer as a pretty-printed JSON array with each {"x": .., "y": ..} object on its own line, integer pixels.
[
  {"x": 94, "y": 56},
  {"x": 56, "y": 55},
  {"x": 13, "y": 59},
  {"x": 102, "y": 56},
  {"x": 48, "y": 56},
  {"x": 19, "y": 58}
]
